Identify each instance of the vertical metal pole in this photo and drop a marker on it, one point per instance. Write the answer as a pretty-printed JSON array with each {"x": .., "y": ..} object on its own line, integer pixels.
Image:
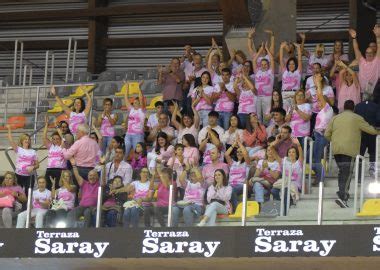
[
  {"x": 362, "y": 184},
  {"x": 52, "y": 68},
  {"x": 244, "y": 212},
  {"x": 170, "y": 205},
  {"x": 99, "y": 207},
  {"x": 320, "y": 202},
  {"x": 310, "y": 164},
  {"x": 30, "y": 88},
  {"x": 74, "y": 59},
  {"x": 21, "y": 58},
  {"x": 36, "y": 115},
  {"x": 23, "y": 88},
  {"x": 15, "y": 63},
  {"x": 377, "y": 157},
  {"x": 305, "y": 141},
  {"x": 68, "y": 61},
  {"x": 30, "y": 75},
  {"x": 288, "y": 192},
  {"x": 29, "y": 202},
  {"x": 283, "y": 186},
  {"x": 356, "y": 183},
  {"x": 46, "y": 67},
  {"x": 6, "y": 106}
]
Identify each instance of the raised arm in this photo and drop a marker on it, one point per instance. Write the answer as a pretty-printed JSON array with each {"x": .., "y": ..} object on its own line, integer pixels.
[
  {"x": 59, "y": 101},
  {"x": 244, "y": 151},
  {"x": 10, "y": 139},
  {"x": 282, "y": 47},
  {"x": 271, "y": 46},
  {"x": 254, "y": 60},
  {"x": 250, "y": 43},
  {"x": 271, "y": 59},
  {"x": 89, "y": 101},
  {"x": 164, "y": 177},
  {"x": 45, "y": 138},
  {"x": 79, "y": 178},
  {"x": 227, "y": 154},
  {"x": 299, "y": 57},
  {"x": 376, "y": 31},
  {"x": 318, "y": 82},
  {"x": 174, "y": 121},
  {"x": 160, "y": 70},
  {"x": 126, "y": 96},
  {"x": 141, "y": 96},
  {"x": 97, "y": 132},
  {"x": 355, "y": 44},
  {"x": 196, "y": 116},
  {"x": 303, "y": 38}
]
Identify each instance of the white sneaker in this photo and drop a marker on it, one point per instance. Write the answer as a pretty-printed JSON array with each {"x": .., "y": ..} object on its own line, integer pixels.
[{"x": 201, "y": 224}]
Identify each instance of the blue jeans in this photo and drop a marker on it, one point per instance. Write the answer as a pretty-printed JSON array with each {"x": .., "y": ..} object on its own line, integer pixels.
[
  {"x": 110, "y": 218},
  {"x": 259, "y": 191},
  {"x": 243, "y": 119},
  {"x": 131, "y": 141},
  {"x": 190, "y": 212},
  {"x": 106, "y": 140},
  {"x": 224, "y": 119},
  {"x": 131, "y": 216},
  {"x": 203, "y": 115},
  {"x": 236, "y": 191},
  {"x": 318, "y": 148}
]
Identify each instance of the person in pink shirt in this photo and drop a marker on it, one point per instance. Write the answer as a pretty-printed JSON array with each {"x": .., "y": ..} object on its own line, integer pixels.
[
  {"x": 210, "y": 142},
  {"x": 291, "y": 77},
  {"x": 299, "y": 116},
  {"x": 191, "y": 206},
  {"x": 26, "y": 160},
  {"x": 247, "y": 97},
  {"x": 318, "y": 56},
  {"x": 209, "y": 169},
  {"x": 161, "y": 152},
  {"x": 106, "y": 121},
  {"x": 65, "y": 193},
  {"x": 323, "y": 118},
  {"x": 85, "y": 150},
  {"x": 214, "y": 58},
  {"x": 202, "y": 98},
  {"x": 349, "y": 86},
  {"x": 136, "y": 120},
  {"x": 40, "y": 205},
  {"x": 338, "y": 53},
  {"x": 264, "y": 80},
  {"x": 189, "y": 123},
  {"x": 10, "y": 188},
  {"x": 369, "y": 66},
  {"x": 56, "y": 160},
  {"x": 239, "y": 167},
  {"x": 88, "y": 196},
  {"x": 78, "y": 115},
  {"x": 190, "y": 152},
  {"x": 139, "y": 158},
  {"x": 260, "y": 54},
  {"x": 224, "y": 98},
  {"x": 218, "y": 199},
  {"x": 177, "y": 163}
]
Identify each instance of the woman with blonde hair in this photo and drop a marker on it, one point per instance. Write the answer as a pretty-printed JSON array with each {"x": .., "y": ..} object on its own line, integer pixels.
[
  {"x": 12, "y": 197},
  {"x": 318, "y": 56},
  {"x": 26, "y": 160},
  {"x": 63, "y": 198}
]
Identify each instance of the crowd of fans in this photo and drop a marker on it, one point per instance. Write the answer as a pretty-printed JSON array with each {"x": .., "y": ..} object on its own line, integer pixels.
[{"x": 221, "y": 124}]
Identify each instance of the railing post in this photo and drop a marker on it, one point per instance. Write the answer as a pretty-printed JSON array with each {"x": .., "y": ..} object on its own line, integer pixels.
[
  {"x": 29, "y": 202},
  {"x": 9, "y": 158},
  {"x": 244, "y": 212},
  {"x": 46, "y": 67},
  {"x": 307, "y": 140},
  {"x": 377, "y": 164},
  {"x": 357, "y": 160},
  {"x": 23, "y": 87},
  {"x": 99, "y": 206},
  {"x": 15, "y": 63},
  {"x": 21, "y": 60},
  {"x": 6, "y": 106},
  {"x": 36, "y": 114},
  {"x": 320, "y": 198},
  {"x": 170, "y": 209},
  {"x": 286, "y": 177},
  {"x": 68, "y": 61},
  {"x": 74, "y": 59},
  {"x": 52, "y": 68}
]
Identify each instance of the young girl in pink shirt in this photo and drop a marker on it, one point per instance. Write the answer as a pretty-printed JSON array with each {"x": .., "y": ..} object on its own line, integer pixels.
[{"x": 107, "y": 121}]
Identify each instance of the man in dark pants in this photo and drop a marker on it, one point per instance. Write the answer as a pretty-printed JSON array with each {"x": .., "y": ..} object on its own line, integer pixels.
[
  {"x": 344, "y": 131},
  {"x": 370, "y": 111}
]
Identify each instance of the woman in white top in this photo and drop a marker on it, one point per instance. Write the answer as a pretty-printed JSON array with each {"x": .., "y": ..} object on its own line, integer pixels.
[
  {"x": 318, "y": 56},
  {"x": 188, "y": 125}
]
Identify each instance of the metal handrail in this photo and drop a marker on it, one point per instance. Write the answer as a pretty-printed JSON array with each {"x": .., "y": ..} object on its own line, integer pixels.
[
  {"x": 244, "y": 211},
  {"x": 357, "y": 160},
  {"x": 286, "y": 177},
  {"x": 311, "y": 144},
  {"x": 377, "y": 157},
  {"x": 170, "y": 207},
  {"x": 48, "y": 85},
  {"x": 99, "y": 205},
  {"x": 320, "y": 198},
  {"x": 9, "y": 158}
]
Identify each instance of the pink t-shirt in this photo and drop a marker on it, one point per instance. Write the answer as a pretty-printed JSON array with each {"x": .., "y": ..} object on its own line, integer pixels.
[
  {"x": 162, "y": 195},
  {"x": 300, "y": 127},
  {"x": 106, "y": 128},
  {"x": 67, "y": 196},
  {"x": 264, "y": 83},
  {"x": 238, "y": 173},
  {"x": 202, "y": 104},
  {"x": 247, "y": 102},
  {"x": 223, "y": 103},
  {"x": 194, "y": 192},
  {"x": 323, "y": 118},
  {"x": 312, "y": 92},
  {"x": 24, "y": 159},
  {"x": 191, "y": 130},
  {"x": 324, "y": 61},
  {"x": 56, "y": 158},
  {"x": 291, "y": 80},
  {"x": 75, "y": 120},
  {"x": 258, "y": 61},
  {"x": 191, "y": 155},
  {"x": 209, "y": 170},
  {"x": 141, "y": 190},
  {"x": 177, "y": 167},
  {"x": 297, "y": 169},
  {"x": 207, "y": 154},
  {"x": 10, "y": 189},
  {"x": 136, "y": 120},
  {"x": 348, "y": 92},
  {"x": 89, "y": 193},
  {"x": 40, "y": 196},
  {"x": 274, "y": 166},
  {"x": 369, "y": 73}
]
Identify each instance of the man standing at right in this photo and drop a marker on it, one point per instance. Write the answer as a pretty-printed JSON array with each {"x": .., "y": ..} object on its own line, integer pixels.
[{"x": 344, "y": 132}]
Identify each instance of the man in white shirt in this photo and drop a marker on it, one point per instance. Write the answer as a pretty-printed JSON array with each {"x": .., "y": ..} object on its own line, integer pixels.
[
  {"x": 163, "y": 126},
  {"x": 213, "y": 117},
  {"x": 153, "y": 118},
  {"x": 118, "y": 167}
]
